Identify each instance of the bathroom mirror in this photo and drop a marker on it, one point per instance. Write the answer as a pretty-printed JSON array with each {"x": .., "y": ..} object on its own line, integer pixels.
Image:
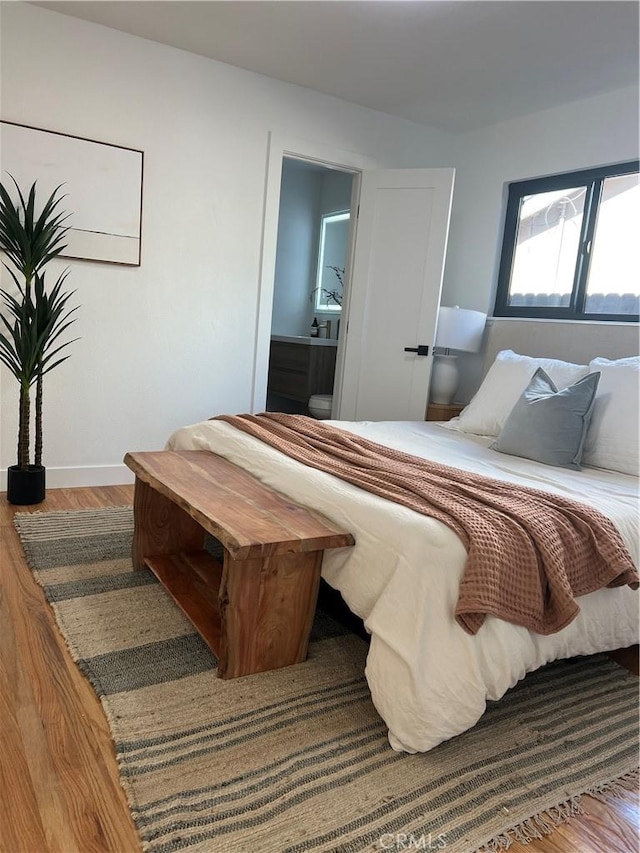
[{"x": 332, "y": 253}]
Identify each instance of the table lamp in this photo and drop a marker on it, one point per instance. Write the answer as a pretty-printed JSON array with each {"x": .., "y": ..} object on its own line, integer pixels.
[{"x": 458, "y": 329}]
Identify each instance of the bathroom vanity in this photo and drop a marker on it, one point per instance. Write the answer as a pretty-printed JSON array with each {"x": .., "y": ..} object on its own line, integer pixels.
[{"x": 300, "y": 367}]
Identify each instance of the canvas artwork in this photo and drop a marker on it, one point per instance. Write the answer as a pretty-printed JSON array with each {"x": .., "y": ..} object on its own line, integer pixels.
[{"x": 102, "y": 184}]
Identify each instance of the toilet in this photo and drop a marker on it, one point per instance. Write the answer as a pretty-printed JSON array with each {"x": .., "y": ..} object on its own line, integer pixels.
[{"x": 320, "y": 406}]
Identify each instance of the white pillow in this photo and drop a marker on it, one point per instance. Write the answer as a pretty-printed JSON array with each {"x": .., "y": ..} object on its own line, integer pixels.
[
  {"x": 501, "y": 388},
  {"x": 612, "y": 438}
]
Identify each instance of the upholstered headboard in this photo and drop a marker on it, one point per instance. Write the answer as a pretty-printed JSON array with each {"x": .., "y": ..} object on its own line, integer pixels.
[
  {"x": 569, "y": 341},
  {"x": 576, "y": 342}
]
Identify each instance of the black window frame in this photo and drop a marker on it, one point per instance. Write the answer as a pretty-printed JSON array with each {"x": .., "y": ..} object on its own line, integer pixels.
[{"x": 593, "y": 179}]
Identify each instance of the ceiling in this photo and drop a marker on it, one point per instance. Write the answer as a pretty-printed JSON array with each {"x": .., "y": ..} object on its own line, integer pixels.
[{"x": 453, "y": 64}]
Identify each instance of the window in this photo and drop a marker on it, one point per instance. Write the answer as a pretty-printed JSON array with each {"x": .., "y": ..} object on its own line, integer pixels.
[
  {"x": 571, "y": 247},
  {"x": 334, "y": 240}
]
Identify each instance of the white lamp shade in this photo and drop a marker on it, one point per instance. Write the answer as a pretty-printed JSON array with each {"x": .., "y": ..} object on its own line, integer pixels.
[{"x": 460, "y": 329}]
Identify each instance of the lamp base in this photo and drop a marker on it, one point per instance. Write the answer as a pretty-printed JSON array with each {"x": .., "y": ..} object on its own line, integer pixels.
[{"x": 444, "y": 379}]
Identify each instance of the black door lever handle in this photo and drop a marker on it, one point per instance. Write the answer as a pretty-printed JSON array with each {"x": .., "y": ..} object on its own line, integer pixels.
[{"x": 421, "y": 349}]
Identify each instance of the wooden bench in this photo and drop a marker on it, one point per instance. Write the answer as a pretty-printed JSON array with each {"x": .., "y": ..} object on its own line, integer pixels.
[{"x": 254, "y": 609}]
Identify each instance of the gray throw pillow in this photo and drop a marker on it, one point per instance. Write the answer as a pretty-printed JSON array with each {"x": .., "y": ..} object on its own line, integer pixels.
[{"x": 547, "y": 425}]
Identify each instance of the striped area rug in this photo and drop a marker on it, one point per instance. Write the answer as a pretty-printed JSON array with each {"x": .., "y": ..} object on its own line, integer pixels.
[{"x": 297, "y": 759}]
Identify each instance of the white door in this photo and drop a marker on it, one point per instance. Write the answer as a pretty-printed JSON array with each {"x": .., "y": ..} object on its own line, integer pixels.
[{"x": 394, "y": 293}]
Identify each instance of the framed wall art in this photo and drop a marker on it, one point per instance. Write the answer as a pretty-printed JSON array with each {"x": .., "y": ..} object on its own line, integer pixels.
[{"x": 102, "y": 184}]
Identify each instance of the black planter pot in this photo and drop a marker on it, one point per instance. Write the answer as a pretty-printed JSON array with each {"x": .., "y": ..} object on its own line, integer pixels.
[{"x": 25, "y": 486}]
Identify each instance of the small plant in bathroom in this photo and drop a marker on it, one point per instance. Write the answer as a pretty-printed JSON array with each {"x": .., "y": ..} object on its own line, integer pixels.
[{"x": 335, "y": 295}]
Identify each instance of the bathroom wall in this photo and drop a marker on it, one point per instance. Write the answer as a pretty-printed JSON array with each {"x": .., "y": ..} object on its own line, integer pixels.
[
  {"x": 301, "y": 191},
  {"x": 307, "y": 193}
]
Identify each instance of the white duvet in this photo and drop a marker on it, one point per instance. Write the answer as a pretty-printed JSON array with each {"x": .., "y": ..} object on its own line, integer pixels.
[{"x": 429, "y": 679}]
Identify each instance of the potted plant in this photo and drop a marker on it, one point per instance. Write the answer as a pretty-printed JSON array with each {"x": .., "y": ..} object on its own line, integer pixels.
[
  {"x": 32, "y": 322},
  {"x": 334, "y": 295}
]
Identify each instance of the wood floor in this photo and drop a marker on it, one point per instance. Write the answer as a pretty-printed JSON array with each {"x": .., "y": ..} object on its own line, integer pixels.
[{"x": 59, "y": 784}]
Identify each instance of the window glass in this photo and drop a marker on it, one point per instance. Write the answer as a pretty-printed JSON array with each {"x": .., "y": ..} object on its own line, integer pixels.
[
  {"x": 547, "y": 243},
  {"x": 613, "y": 285}
]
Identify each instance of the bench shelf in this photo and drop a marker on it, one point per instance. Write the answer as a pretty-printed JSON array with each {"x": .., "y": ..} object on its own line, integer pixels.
[{"x": 193, "y": 581}]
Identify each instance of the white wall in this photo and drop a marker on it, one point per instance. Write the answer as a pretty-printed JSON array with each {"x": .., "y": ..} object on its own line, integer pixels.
[
  {"x": 579, "y": 135},
  {"x": 582, "y": 134},
  {"x": 173, "y": 341}
]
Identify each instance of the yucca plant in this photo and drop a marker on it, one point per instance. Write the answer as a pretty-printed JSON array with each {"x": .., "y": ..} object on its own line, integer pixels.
[{"x": 33, "y": 318}]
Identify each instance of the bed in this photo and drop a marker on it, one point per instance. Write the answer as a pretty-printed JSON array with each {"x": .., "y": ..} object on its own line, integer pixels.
[{"x": 429, "y": 679}]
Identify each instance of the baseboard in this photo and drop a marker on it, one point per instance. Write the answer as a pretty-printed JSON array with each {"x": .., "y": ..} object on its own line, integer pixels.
[{"x": 71, "y": 477}]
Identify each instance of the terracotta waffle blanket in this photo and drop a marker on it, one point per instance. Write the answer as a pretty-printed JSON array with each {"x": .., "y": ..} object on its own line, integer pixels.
[{"x": 530, "y": 554}]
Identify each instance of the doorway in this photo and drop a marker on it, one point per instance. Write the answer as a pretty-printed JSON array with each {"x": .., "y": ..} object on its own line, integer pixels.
[
  {"x": 311, "y": 263},
  {"x": 397, "y": 244},
  {"x": 310, "y": 151}
]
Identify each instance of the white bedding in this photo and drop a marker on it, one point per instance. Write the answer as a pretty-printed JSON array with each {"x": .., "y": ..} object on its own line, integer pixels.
[{"x": 429, "y": 679}]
